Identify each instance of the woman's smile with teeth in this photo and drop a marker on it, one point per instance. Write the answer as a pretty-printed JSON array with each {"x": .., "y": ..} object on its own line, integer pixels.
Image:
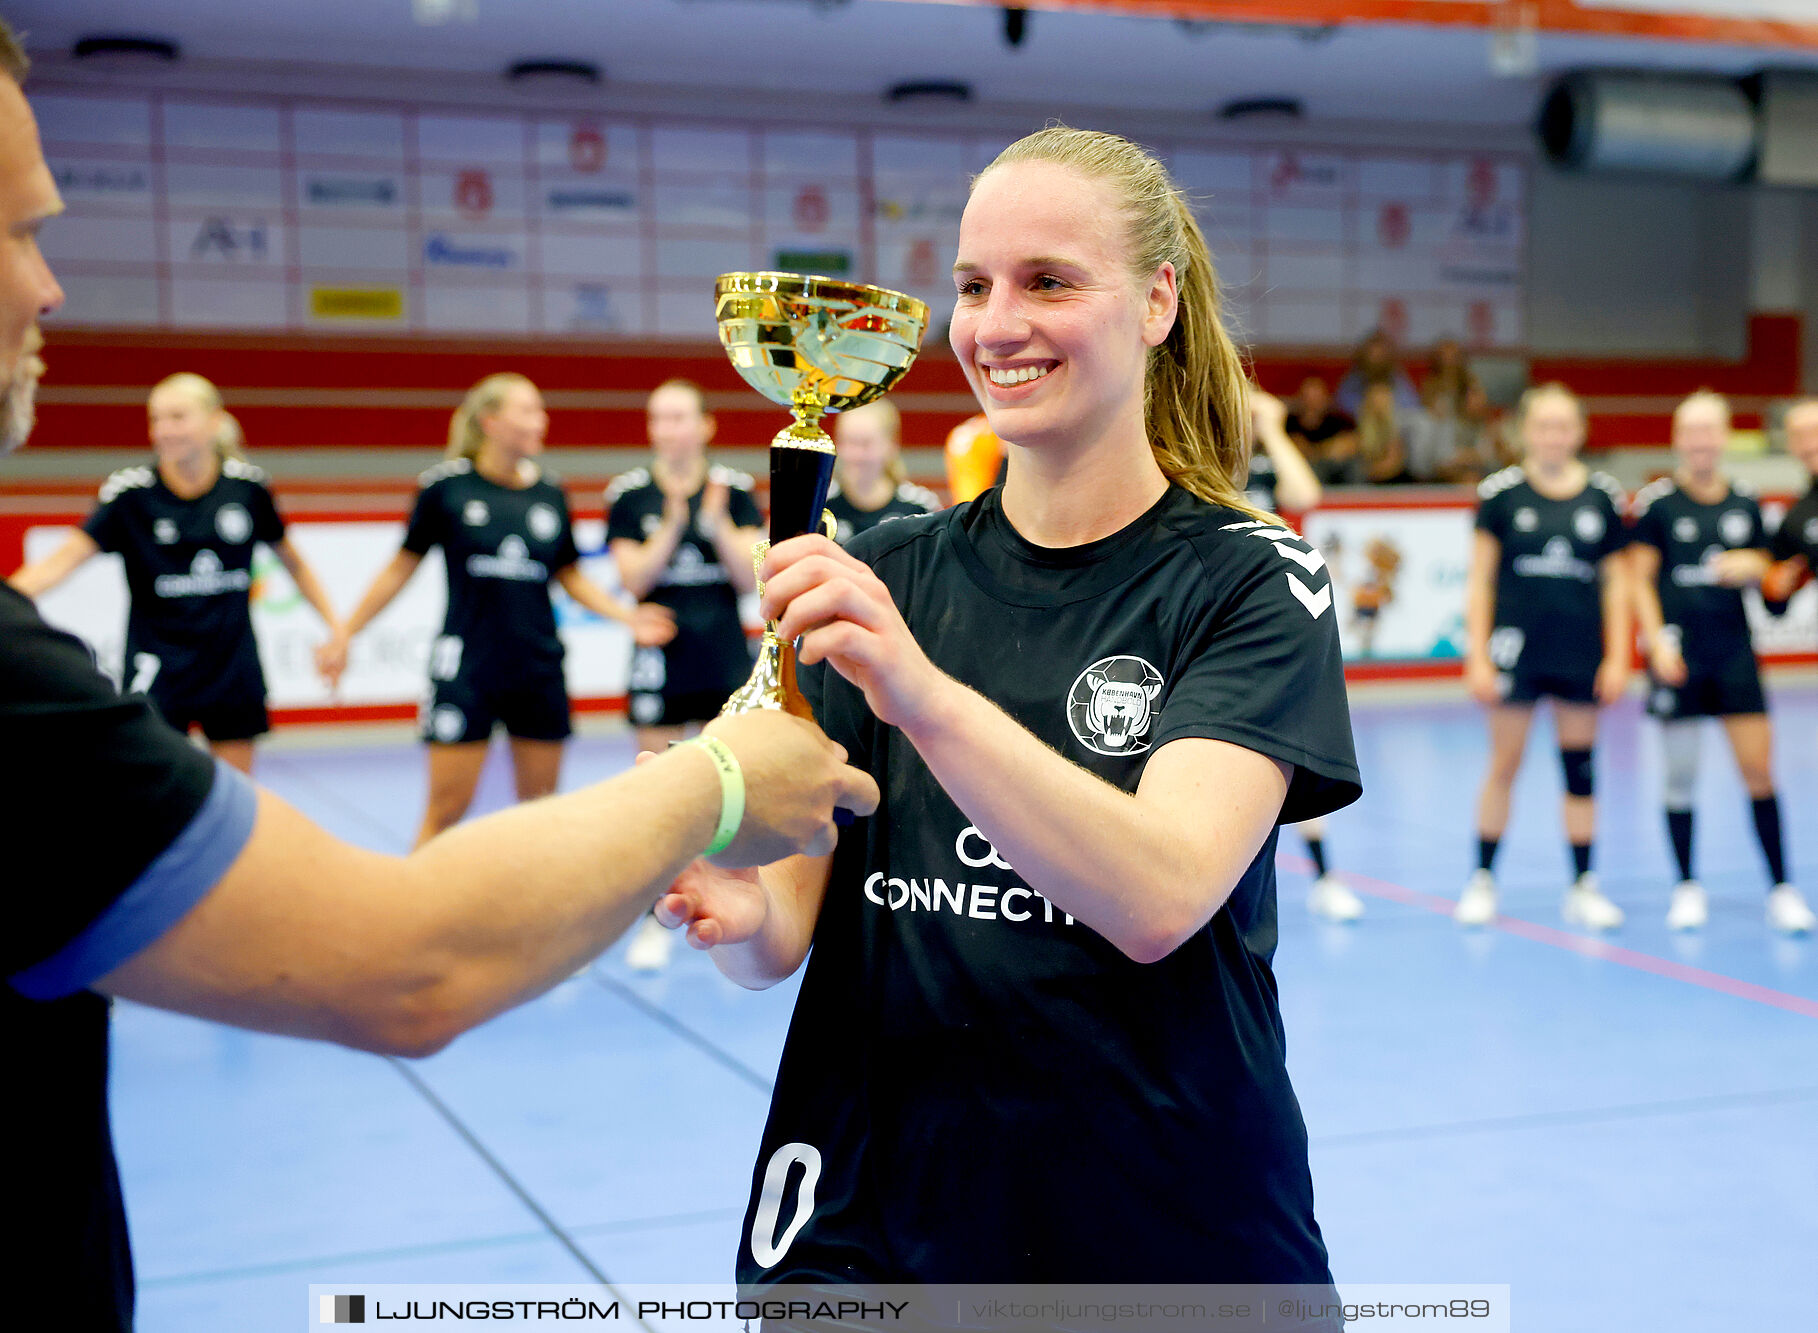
[{"x": 1017, "y": 375}]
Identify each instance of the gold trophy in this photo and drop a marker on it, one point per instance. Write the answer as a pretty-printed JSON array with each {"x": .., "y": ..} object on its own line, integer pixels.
[{"x": 815, "y": 345}]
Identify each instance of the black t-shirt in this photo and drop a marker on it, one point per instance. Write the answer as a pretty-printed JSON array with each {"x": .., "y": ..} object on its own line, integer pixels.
[
  {"x": 977, "y": 1087},
  {"x": 1798, "y": 531},
  {"x": 1549, "y": 599},
  {"x": 908, "y": 501},
  {"x": 117, "y": 827},
  {"x": 502, "y": 546},
  {"x": 1711, "y": 621},
  {"x": 708, "y": 652},
  {"x": 189, "y": 569}
]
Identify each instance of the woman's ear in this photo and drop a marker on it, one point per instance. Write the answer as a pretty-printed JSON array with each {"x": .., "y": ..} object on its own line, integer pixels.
[{"x": 1163, "y": 305}]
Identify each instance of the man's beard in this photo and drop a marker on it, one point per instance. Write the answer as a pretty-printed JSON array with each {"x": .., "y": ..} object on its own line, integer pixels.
[{"x": 18, "y": 411}]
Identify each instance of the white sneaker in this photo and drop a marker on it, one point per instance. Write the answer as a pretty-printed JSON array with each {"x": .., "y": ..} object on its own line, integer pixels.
[
  {"x": 1477, "y": 904},
  {"x": 1787, "y": 912},
  {"x": 650, "y": 946},
  {"x": 1687, "y": 911},
  {"x": 1586, "y": 906},
  {"x": 1334, "y": 900}
]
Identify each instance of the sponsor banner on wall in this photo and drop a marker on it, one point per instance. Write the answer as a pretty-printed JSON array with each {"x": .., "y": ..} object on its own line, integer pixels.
[
  {"x": 1316, "y": 244},
  {"x": 383, "y": 304},
  {"x": 1794, "y": 632},
  {"x": 1398, "y": 585},
  {"x": 1398, "y": 579}
]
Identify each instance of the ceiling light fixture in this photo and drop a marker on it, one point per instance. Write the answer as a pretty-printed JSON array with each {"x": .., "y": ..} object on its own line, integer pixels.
[
  {"x": 554, "y": 71},
  {"x": 929, "y": 90},
  {"x": 1263, "y": 108},
  {"x": 125, "y": 48}
]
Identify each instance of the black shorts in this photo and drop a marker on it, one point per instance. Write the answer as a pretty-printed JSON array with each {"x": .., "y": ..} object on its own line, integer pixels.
[
  {"x": 660, "y": 697},
  {"x": 1728, "y": 689},
  {"x": 238, "y": 716},
  {"x": 531, "y": 708},
  {"x": 653, "y": 709},
  {"x": 1529, "y": 687},
  {"x": 220, "y": 691}
]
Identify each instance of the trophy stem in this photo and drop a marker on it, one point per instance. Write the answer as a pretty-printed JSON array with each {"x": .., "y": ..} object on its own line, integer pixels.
[
  {"x": 772, "y": 682},
  {"x": 807, "y": 407}
]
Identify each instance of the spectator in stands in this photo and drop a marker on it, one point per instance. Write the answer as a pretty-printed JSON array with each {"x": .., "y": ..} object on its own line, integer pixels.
[
  {"x": 1448, "y": 441},
  {"x": 1375, "y": 362},
  {"x": 1448, "y": 371},
  {"x": 1382, "y": 453},
  {"x": 1488, "y": 435},
  {"x": 1325, "y": 435}
]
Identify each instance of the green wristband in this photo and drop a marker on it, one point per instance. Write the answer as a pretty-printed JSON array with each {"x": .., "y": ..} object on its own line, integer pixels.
[{"x": 732, "y": 791}]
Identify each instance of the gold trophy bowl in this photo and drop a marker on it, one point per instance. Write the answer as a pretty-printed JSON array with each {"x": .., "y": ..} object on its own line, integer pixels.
[{"x": 815, "y": 345}]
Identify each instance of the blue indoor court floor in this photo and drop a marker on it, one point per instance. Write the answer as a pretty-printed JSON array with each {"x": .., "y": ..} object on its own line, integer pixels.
[{"x": 1624, "y": 1132}]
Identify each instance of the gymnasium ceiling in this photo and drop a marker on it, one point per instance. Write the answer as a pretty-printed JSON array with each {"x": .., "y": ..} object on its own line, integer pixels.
[{"x": 831, "y": 51}]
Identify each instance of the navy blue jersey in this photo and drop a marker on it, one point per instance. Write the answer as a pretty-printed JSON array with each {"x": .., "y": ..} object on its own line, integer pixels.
[
  {"x": 1549, "y": 592},
  {"x": 1708, "y": 618},
  {"x": 1798, "y": 531},
  {"x": 907, "y": 501},
  {"x": 189, "y": 570},
  {"x": 502, "y": 546},
  {"x": 976, "y": 1086},
  {"x": 708, "y": 653}
]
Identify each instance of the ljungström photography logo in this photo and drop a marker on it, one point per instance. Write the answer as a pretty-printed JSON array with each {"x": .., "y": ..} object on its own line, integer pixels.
[{"x": 343, "y": 1309}]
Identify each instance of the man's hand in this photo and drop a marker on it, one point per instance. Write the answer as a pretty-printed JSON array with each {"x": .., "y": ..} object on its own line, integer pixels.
[
  {"x": 794, "y": 780},
  {"x": 717, "y": 906}
]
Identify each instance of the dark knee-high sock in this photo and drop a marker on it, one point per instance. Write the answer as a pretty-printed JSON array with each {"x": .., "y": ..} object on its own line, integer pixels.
[
  {"x": 1679, "y": 829},
  {"x": 1767, "y": 828},
  {"x": 1316, "y": 848}
]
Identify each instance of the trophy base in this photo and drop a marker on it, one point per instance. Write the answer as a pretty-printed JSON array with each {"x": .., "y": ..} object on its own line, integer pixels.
[
  {"x": 800, "y": 434},
  {"x": 771, "y": 686}
]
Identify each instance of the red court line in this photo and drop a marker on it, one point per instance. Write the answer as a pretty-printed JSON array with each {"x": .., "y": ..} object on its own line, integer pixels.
[{"x": 1584, "y": 945}]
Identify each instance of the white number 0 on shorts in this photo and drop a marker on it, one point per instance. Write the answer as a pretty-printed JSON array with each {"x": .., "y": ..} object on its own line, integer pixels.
[
  {"x": 145, "y": 671},
  {"x": 766, "y": 1246}
]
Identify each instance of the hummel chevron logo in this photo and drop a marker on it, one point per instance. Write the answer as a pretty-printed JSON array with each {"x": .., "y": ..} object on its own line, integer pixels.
[{"x": 1316, "y": 602}]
